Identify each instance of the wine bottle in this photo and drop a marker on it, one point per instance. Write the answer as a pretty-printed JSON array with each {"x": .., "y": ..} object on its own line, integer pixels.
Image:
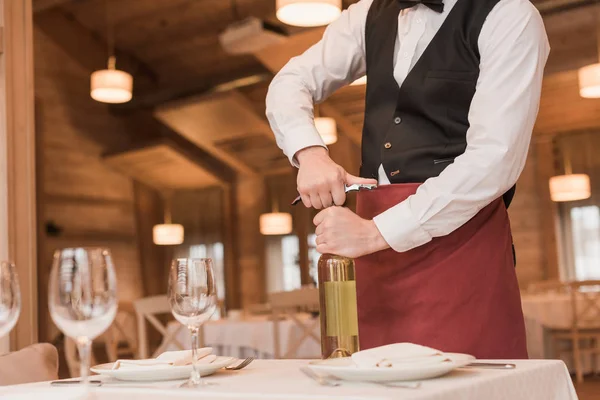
[{"x": 338, "y": 312}]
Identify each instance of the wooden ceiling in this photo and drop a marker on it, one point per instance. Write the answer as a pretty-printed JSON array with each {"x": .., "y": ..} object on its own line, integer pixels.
[{"x": 171, "y": 47}]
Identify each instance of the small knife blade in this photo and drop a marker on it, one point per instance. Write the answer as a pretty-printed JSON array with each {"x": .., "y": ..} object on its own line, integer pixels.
[
  {"x": 355, "y": 187},
  {"x": 491, "y": 365}
]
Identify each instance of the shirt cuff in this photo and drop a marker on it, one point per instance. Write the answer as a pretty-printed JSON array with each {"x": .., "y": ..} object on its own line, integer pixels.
[
  {"x": 299, "y": 139},
  {"x": 400, "y": 228}
]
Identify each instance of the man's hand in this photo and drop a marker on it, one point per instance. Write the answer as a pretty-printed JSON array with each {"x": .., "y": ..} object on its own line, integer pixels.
[
  {"x": 342, "y": 232},
  {"x": 321, "y": 181}
]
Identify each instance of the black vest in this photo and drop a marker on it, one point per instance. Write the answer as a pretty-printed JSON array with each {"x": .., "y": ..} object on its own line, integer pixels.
[{"x": 417, "y": 130}]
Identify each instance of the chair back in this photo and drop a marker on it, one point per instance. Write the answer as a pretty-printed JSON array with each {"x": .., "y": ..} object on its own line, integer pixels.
[
  {"x": 290, "y": 305},
  {"x": 548, "y": 286},
  {"x": 147, "y": 309},
  {"x": 121, "y": 337},
  {"x": 585, "y": 303},
  {"x": 35, "y": 363}
]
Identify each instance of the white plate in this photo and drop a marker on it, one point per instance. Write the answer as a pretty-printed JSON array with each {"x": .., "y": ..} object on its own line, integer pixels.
[
  {"x": 345, "y": 369},
  {"x": 166, "y": 373}
]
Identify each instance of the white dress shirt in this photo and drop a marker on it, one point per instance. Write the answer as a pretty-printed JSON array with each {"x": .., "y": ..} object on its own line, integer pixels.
[{"x": 513, "y": 46}]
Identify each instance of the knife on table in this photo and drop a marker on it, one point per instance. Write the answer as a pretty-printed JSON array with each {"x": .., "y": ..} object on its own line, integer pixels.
[
  {"x": 491, "y": 365},
  {"x": 355, "y": 187}
]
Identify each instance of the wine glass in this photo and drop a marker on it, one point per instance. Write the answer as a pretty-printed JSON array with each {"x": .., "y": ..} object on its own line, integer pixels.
[
  {"x": 10, "y": 297},
  {"x": 83, "y": 298},
  {"x": 193, "y": 300}
]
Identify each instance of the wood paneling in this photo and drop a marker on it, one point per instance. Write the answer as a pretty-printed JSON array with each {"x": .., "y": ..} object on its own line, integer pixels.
[
  {"x": 250, "y": 204},
  {"x": 92, "y": 204},
  {"x": 526, "y": 223},
  {"x": 154, "y": 259},
  {"x": 562, "y": 109}
]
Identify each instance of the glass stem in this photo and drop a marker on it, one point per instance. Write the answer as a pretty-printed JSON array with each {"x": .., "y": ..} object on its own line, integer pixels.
[
  {"x": 84, "y": 346},
  {"x": 195, "y": 377}
]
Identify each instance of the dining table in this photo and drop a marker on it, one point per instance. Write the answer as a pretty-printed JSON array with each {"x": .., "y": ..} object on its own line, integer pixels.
[
  {"x": 251, "y": 336},
  {"x": 544, "y": 312},
  {"x": 283, "y": 379}
]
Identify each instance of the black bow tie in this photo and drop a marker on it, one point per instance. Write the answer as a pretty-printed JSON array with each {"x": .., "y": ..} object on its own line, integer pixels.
[{"x": 435, "y": 5}]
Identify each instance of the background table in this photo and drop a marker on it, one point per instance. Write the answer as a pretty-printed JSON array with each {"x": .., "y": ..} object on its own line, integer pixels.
[
  {"x": 281, "y": 379},
  {"x": 252, "y": 336},
  {"x": 544, "y": 312}
]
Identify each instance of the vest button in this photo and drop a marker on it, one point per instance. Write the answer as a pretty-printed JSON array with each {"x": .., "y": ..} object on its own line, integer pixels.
[
  {"x": 397, "y": 120},
  {"x": 388, "y": 145}
]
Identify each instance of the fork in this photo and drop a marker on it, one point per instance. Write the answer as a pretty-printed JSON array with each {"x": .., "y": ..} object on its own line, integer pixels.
[{"x": 241, "y": 365}]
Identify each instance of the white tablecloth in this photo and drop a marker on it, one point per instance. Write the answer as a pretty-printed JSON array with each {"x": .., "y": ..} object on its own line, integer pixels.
[
  {"x": 542, "y": 313},
  {"x": 281, "y": 379},
  {"x": 252, "y": 337}
]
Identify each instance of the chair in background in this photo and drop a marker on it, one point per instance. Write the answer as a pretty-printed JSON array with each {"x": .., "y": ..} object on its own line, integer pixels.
[
  {"x": 290, "y": 304},
  {"x": 584, "y": 335},
  {"x": 121, "y": 338},
  {"x": 147, "y": 309},
  {"x": 548, "y": 286},
  {"x": 35, "y": 363}
]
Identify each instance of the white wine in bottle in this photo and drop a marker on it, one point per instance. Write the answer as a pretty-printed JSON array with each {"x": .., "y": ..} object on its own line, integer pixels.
[{"x": 338, "y": 312}]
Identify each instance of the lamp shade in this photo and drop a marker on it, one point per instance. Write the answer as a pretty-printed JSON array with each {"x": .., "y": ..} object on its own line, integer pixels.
[
  {"x": 308, "y": 12},
  {"x": 327, "y": 128},
  {"x": 570, "y": 187},
  {"x": 360, "y": 81},
  {"x": 111, "y": 86},
  {"x": 167, "y": 234},
  {"x": 589, "y": 81},
  {"x": 276, "y": 224}
]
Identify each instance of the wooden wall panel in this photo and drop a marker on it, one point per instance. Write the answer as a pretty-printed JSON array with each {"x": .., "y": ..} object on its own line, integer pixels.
[
  {"x": 91, "y": 204},
  {"x": 525, "y": 220}
]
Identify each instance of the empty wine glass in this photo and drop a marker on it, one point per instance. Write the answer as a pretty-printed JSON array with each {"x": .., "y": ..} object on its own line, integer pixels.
[
  {"x": 10, "y": 297},
  {"x": 193, "y": 300},
  {"x": 83, "y": 297}
]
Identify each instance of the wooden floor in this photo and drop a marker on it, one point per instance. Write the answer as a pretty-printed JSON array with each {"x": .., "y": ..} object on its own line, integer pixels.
[{"x": 589, "y": 389}]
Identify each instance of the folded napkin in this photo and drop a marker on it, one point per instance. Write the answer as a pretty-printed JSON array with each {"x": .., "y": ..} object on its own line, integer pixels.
[
  {"x": 168, "y": 358},
  {"x": 398, "y": 355}
]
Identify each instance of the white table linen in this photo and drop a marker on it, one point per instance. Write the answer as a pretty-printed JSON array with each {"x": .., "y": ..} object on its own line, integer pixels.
[
  {"x": 253, "y": 336},
  {"x": 282, "y": 379},
  {"x": 544, "y": 312}
]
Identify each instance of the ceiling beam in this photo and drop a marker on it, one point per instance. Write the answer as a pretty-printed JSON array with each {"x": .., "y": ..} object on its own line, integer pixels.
[
  {"x": 89, "y": 48},
  {"x": 216, "y": 83},
  {"x": 144, "y": 124},
  {"x": 276, "y": 56}
]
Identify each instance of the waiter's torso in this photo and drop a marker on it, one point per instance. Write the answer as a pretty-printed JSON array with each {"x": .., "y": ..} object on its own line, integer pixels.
[{"x": 422, "y": 71}]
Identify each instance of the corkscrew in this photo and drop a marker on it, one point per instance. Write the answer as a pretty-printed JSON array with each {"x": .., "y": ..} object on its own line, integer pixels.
[{"x": 355, "y": 187}]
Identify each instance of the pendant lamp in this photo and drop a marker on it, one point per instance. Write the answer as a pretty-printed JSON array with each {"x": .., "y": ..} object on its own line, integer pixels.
[
  {"x": 167, "y": 234},
  {"x": 360, "y": 81},
  {"x": 275, "y": 222},
  {"x": 111, "y": 85},
  {"x": 327, "y": 127},
  {"x": 589, "y": 76},
  {"x": 307, "y": 13},
  {"x": 569, "y": 187}
]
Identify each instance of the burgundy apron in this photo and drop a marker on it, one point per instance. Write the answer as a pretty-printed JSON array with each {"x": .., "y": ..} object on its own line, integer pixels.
[{"x": 457, "y": 293}]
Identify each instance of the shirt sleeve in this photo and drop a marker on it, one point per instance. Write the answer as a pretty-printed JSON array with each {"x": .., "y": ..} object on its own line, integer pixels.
[
  {"x": 514, "y": 49},
  {"x": 335, "y": 61}
]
